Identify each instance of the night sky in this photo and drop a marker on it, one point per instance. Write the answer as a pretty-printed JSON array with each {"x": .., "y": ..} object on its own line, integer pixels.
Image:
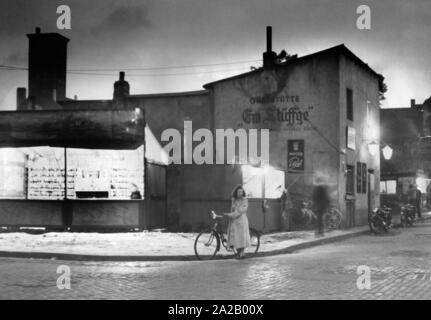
[{"x": 132, "y": 34}]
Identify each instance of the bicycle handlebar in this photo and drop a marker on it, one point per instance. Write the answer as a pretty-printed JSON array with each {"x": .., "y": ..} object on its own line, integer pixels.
[{"x": 214, "y": 216}]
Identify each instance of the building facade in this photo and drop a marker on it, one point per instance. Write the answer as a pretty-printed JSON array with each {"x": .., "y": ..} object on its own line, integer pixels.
[
  {"x": 322, "y": 114},
  {"x": 407, "y": 131}
]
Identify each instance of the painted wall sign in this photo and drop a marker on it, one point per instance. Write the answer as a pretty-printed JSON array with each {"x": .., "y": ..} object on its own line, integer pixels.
[
  {"x": 290, "y": 116},
  {"x": 295, "y": 156},
  {"x": 351, "y": 138}
]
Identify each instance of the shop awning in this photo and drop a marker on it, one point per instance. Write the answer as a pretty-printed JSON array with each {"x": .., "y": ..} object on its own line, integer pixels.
[{"x": 91, "y": 129}]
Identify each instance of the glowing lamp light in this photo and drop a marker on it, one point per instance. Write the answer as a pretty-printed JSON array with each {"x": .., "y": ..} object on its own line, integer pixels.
[
  {"x": 387, "y": 152},
  {"x": 373, "y": 148}
]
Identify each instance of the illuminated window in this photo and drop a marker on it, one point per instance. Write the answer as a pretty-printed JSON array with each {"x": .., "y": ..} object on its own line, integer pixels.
[
  {"x": 388, "y": 187},
  {"x": 274, "y": 183},
  {"x": 263, "y": 182},
  {"x": 38, "y": 173},
  {"x": 252, "y": 181},
  {"x": 109, "y": 174},
  {"x": 12, "y": 173}
]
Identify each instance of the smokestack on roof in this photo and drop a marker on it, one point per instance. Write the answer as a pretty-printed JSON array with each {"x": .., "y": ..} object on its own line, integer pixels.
[
  {"x": 269, "y": 56},
  {"x": 121, "y": 88},
  {"x": 47, "y": 63},
  {"x": 268, "y": 39}
]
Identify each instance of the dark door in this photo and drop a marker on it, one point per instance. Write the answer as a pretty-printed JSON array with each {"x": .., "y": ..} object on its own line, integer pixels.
[
  {"x": 350, "y": 213},
  {"x": 350, "y": 197},
  {"x": 156, "y": 196}
]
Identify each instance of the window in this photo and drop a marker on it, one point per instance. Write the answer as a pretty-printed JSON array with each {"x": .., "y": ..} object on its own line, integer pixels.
[
  {"x": 361, "y": 177},
  {"x": 364, "y": 178},
  {"x": 274, "y": 183},
  {"x": 39, "y": 173},
  {"x": 350, "y": 180},
  {"x": 12, "y": 173},
  {"x": 252, "y": 181},
  {"x": 388, "y": 187},
  {"x": 358, "y": 177},
  {"x": 349, "y": 104},
  {"x": 110, "y": 174},
  {"x": 265, "y": 182}
]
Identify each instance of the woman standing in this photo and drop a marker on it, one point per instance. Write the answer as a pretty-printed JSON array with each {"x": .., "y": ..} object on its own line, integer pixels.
[{"x": 238, "y": 234}]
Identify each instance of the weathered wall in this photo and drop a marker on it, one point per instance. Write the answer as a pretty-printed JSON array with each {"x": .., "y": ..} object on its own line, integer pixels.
[
  {"x": 309, "y": 87},
  {"x": 105, "y": 214},
  {"x": 169, "y": 111},
  {"x": 83, "y": 214},
  {"x": 365, "y": 88},
  {"x": 31, "y": 213}
]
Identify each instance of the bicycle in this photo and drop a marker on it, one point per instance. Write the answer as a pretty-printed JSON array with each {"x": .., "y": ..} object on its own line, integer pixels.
[
  {"x": 331, "y": 219},
  {"x": 209, "y": 242}
]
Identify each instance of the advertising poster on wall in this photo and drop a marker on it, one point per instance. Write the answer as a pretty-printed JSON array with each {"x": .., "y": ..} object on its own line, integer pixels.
[{"x": 295, "y": 156}]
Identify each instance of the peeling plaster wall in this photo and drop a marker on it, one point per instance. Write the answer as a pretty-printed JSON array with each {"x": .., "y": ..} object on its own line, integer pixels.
[{"x": 311, "y": 86}]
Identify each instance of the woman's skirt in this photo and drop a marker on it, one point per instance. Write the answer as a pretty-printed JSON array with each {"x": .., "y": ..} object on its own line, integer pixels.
[{"x": 238, "y": 234}]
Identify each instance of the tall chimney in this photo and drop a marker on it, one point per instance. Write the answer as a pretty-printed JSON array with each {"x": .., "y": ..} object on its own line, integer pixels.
[
  {"x": 269, "y": 56},
  {"x": 268, "y": 39},
  {"x": 121, "y": 91},
  {"x": 21, "y": 96},
  {"x": 47, "y": 59}
]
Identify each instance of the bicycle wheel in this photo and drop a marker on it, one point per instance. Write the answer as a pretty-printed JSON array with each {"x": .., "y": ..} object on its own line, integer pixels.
[
  {"x": 333, "y": 218},
  {"x": 307, "y": 217},
  {"x": 377, "y": 227},
  {"x": 207, "y": 244},
  {"x": 254, "y": 243}
]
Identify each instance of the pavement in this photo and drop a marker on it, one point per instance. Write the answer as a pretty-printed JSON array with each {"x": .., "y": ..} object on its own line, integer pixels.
[
  {"x": 398, "y": 264},
  {"x": 150, "y": 246}
]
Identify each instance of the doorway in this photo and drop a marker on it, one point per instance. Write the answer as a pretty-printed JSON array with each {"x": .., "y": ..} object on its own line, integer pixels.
[{"x": 156, "y": 196}]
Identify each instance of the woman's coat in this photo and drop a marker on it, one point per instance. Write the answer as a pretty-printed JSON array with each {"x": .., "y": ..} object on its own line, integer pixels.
[{"x": 238, "y": 234}]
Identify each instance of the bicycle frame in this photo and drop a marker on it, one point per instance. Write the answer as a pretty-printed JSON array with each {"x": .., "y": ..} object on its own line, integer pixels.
[{"x": 217, "y": 232}]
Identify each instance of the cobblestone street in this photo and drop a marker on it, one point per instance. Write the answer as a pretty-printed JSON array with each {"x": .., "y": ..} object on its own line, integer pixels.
[{"x": 400, "y": 264}]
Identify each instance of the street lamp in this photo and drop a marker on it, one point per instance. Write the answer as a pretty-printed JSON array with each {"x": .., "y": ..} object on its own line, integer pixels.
[
  {"x": 387, "y": 152},
  {"x": 373, "y": 148}
]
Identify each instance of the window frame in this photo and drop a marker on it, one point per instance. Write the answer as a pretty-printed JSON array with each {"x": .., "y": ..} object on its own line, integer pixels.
[{"x": 349, "y": 105}]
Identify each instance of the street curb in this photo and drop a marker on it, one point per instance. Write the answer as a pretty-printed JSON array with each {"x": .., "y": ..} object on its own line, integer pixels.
[
  {"x": 313, "y": 243},
  {"x": 85, "y": 257}
]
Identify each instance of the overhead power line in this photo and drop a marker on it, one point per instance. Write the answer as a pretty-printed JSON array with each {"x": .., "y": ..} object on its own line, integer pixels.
[
  {"x": 168, "y": 67},
  {"x": 73, "y": 70},
  {"x": 157, "y": 74}
]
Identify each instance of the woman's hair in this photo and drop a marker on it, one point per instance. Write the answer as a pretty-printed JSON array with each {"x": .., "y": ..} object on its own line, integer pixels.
[{"x": 235, "y": 191}]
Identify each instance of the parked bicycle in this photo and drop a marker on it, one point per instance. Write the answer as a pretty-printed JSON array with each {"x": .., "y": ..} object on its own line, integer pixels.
[
  {"x": 209, "y": 242},
  {"x": 408, "y": 214},
  {"x": 331, "y": 219},
  {"x": 380, "y": 220}
]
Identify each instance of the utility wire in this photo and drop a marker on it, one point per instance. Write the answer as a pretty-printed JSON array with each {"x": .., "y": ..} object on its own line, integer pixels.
[
  {"x": 147, "y": 74},
  {"x": 168, "y": 67},
  {"x": 8, "y": 67},
  {"x": 155, "y": 74}
]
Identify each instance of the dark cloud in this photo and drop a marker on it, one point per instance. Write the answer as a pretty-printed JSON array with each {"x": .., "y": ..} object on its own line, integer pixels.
[{"x": 125, "y": 18}]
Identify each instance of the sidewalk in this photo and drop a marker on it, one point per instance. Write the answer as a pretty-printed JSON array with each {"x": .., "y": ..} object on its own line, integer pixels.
[{"x": 149, "y": 246}]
